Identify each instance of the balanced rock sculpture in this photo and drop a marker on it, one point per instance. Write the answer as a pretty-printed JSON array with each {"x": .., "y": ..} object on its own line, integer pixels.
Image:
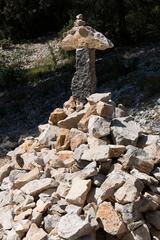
[{"x": 85, "y": 40}]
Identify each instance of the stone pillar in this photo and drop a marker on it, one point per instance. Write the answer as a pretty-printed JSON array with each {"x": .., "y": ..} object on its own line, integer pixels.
[{"x": 84, "y": 79}]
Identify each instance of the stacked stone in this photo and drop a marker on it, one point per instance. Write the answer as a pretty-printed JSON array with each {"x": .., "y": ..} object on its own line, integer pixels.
[{"x": 90, "y": 174}]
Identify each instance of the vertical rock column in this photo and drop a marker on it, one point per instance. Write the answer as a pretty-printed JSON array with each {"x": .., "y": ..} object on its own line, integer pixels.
[
  {"x": 84, "y": 79},
  {"x": 85, "y": 40}
]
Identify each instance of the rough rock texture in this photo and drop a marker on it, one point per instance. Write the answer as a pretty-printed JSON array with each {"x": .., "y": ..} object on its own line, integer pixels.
[
  {"x": 85, "y": 40},
  {"x": 81, "y": 36},
  {"x": 68, "y": 184},
  {"x": 125, "y": 131},
  {"x": 84, "y": 79},
  {"x": 110, "y": 220}
]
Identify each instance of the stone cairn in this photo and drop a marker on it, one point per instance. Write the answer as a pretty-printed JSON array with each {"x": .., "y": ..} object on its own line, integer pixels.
[
  {"x": 85, "y": 40},
  {"x": 91, "y": 174}
]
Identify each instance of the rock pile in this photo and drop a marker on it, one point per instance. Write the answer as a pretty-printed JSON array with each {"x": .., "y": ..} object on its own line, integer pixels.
[{"x": 90, "y": 174}]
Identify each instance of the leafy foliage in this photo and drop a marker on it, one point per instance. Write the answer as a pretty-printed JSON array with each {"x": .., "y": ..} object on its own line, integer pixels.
[{"x": 125, "y": 21}]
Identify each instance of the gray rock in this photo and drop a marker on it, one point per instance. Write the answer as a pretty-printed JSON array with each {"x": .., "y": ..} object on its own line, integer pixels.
[
  {"x": 48, "y": 134},
  {"x": 71, "y": 208},
  {"x": 129, "y": 191},
  {"x": 145, "y": 178},
  {"x": 129, "y": 212},
  {"x": 125, "y": 131},
  {"x": 98, "y": 126},
  {"x": 5, "y": 198},
  {"x": 37, "y": 186},
  {"x": 137, "y": 158},
  {"x": 50, "y": 222},
  {"x": 89, "y": 171},
  {"x": 6, "y": 217},
  {"x": 84, "y": 80},
  {"x": 78, "y": 153},
  {"x": 71, "y": 226},
  {"x": 98, "y": 154},
  {"x": 97, "y": 97},
  {"x": 113, "y": 181}
]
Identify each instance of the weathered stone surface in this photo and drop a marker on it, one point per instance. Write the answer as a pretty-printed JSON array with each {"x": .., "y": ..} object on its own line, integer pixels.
[
  {"x": 98, "y": 154},
  {"x": 153, "y": 152},
  {"x": 94, "y": 195},
  {"x": 63, "y": 140},
  {"x": 5, "y": 198},
  {"x": 50, "y": 222},
  {"x": 105, "y": 110},
  {"x": 36, "y": 233},
  {"x": 145, "y": 178},
  {"x": 146, "y": 140},
  {"x": 63, "y": 189},
  {"x": 57, "y": 115},
  {"x": 90, "y": 214},
  {"x": 71, "y": 226},
  {"x": 21, "y": 227},
  {"x": 70, "y": 105},
  {"x": 23, "y": 215},
  {"x": 85, "y": 37},
  {"x": 83, "y": 123},
  {"x": 6, "y": 217},
  {"x": 114, "y": 181},
  {"x": 137, "y": 158},
  {"x": 72, "y": 120},
  {"x": 125, "y": 131},
  {"x": 5, "y": 170},
  {"x": 71, "y": 208},
  {"x": 77, "y": 138},
  {"x": 11, "y": 235},
  {"x": 98, "y": 126},
  {"x": 51, "y": 158},
  {"x": 27, "y": 160},
  {"x": 89, "y": 171},
  {"x": 33, "y": 174},
  {"x": 97, "y": 97},
  {"x": 129, "y": 212},
  {"x": 154, "y": 219},
  {"x": 84, "y": 79},
  {"x": 93, "y": 141},
  {"x": 110, "y": 220},
  {"x": 116, "y": 151},
  {"x": 78, "y": 192},
  {"x": 47, "y": 135},
  {"x": 65, "y": 155},
  {"x": 36, "y": 217},
  {"x": 36, "y": 186},
  {"x": 78, "y": 154},
  {"x": 129, "y": 191}
]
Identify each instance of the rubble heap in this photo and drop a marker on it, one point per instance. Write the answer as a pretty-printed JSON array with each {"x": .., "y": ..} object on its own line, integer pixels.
[{"x": 90, "y": 174}]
